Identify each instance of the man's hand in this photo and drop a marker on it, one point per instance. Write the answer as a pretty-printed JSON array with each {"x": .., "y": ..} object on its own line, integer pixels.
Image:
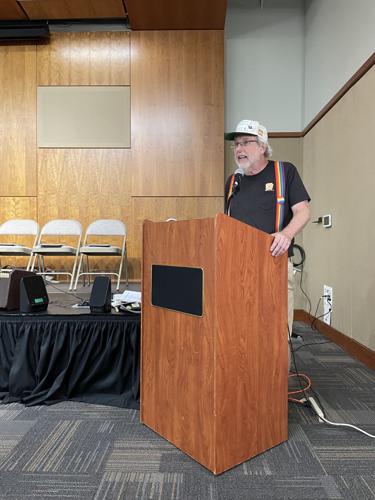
[{"x": 280, "y": 244}]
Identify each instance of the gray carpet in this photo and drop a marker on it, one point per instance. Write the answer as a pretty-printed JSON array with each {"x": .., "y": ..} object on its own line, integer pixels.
[{"x": 80, "y": 451}]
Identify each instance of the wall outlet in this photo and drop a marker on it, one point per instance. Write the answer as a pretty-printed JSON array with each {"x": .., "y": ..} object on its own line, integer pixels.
[{"x": 327, "y": 304}]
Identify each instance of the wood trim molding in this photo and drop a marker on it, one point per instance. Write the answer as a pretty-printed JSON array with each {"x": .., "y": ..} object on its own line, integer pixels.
[
  {"x": 284, "y": 135},
  {"x": 352, "y": 347},
  {"x": 366, "y": 66}
]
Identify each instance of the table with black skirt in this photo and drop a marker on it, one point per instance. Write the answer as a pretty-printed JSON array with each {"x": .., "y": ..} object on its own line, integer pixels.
[{"x": 50, "y": 357}]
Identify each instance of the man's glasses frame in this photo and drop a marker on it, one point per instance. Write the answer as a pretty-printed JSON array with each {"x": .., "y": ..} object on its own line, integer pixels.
[{"x": 243, "y": 144}]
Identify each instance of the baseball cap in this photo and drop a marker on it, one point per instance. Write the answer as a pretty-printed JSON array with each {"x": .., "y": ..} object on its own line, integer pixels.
[{"x": 249, "y": 127}]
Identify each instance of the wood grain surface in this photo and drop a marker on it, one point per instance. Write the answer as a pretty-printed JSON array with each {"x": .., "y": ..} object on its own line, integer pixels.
[
  {"x": 177, "y": 113},
  {"x": 10, "y": 10},
  {"x": 98, "y": 58},
  {"x": 177, "y": 391},
  {"x": 176, "y": 14},
  {"x": 73, "y": 9},
  {"x": 18, "y": 120},
  {"x": 251, "y": 344},
  {"x": 216, "y": 386}
]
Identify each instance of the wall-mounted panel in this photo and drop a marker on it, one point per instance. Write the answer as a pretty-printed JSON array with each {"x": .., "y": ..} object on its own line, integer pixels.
[
  {"x": 83, "y": 117},
  {"x": 177, "y": 113},
  {"x": 10, "y": 10},
  {"x": 18, "y": 120},
  {"x": 100, "y": 58},
  {"x": 73, "y": 9}
]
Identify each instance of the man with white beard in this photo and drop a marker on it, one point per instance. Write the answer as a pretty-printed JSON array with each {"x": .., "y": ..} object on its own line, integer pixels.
[{"x": 271, "y": 197}]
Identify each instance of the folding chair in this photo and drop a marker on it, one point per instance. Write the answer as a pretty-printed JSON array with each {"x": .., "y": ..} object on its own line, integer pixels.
[
  {"x": 58, "y": 227},
  {"x": 104, "y": 227},
  {"x": 18, "y": 227}
]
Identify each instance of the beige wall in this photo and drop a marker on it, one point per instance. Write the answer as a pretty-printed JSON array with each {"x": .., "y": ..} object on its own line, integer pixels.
[
  {"x": 339, "y": 172},
  {"x": 176, "y": 160}
]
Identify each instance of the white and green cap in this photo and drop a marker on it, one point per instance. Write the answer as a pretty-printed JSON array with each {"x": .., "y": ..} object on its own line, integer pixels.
[{"x": 249, "y": 127}]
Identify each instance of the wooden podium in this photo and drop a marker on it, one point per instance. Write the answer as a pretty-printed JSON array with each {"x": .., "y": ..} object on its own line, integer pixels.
[{"x": 216, "y": 385}]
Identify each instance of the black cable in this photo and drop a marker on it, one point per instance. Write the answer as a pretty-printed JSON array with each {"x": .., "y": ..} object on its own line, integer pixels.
[
  {"x": 295, "y": 364},
  {"x": 306, "y": 402},
  {"x": 302, "y": 255},
  {"x": 48, "y": 283},
  {"x": 315, "y": 316},
  {"x": 312, "y": 343},
  {"x": 320, "y": 316}
]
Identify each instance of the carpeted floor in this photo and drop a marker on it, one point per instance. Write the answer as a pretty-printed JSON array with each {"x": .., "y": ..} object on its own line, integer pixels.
[{"x": 81, "y": 451}]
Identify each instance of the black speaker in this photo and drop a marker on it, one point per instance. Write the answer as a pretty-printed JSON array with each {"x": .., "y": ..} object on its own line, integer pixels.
[
  {"x": 100, "y": 298},
  {"x": 33, "y": 294},
  {"x": 10, "y": 288}
]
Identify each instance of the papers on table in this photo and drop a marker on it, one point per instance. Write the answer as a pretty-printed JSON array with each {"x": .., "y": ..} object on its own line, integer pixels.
[{"x": 128, "y": 297}]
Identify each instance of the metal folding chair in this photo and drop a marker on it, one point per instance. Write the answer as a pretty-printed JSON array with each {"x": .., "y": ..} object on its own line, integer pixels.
[
  {"x": 109, "y": 228},
  {"x": 18, "y": 228},
  {"x": 60, "y": 228}
]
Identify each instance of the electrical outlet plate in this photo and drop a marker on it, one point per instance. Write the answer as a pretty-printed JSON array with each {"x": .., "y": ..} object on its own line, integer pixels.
[
  {"x": 327, "y": 304},
  {"x": 327, "y": 221}
]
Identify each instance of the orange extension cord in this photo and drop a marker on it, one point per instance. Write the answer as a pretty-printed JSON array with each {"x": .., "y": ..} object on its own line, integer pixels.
[{"x": 299, "y": 391}]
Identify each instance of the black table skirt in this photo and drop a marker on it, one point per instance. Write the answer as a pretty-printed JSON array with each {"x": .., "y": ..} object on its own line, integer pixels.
[{"x": 48, "y": 359}]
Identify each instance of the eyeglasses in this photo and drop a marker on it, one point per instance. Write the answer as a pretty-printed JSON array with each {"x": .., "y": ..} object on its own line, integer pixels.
[{"x": 243, "y": 144}]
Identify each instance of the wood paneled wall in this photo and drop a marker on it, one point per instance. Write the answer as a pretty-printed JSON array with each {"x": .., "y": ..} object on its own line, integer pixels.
[
  {"x": 100, "y": 58},
  {"x": 176, "y": 162},
  {"x": 18, "y": 121},
  {"x": 178, "y": 117}
]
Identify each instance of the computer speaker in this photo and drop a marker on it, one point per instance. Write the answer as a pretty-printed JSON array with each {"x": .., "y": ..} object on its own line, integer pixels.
[
  {"x": 33, "y": 294},
  {"x": 100, "y": 299},
  {"x": 10, "y": 288}
]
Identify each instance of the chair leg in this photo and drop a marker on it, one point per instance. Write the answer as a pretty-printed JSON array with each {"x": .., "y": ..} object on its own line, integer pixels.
[
  {"x": 126, "y": 270},
  {"x": 73, "y": 272},
  {"x": 119, "y": 273},
  {"x": 88, "y": 269},
  {"x": 33, "y": 259},
  {"x": 29, "y": 262},
  {"x": 78, "y": 271}
]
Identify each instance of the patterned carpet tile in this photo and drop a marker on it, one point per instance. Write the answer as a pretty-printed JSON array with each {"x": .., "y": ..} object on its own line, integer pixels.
[
  {"x": 46, "y": 486},
  {"x": 356, "y": 487},
  {"x": 307, "y": 488},
  {"x": 143, "y": 486},
  {"x": 148, "y": 452},
  {"x": 343, "y": 451},
  {"x": 62, "y": 446},
  {"x": 84, "y": 411},
  {"x": 11, "y": 433}
]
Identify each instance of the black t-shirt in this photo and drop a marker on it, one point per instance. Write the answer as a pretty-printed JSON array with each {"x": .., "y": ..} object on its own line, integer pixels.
[{"x": 255, "y": 203}]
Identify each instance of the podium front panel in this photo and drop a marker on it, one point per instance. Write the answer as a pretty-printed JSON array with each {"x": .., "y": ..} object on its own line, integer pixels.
[{"x": 177, "y": 366}]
